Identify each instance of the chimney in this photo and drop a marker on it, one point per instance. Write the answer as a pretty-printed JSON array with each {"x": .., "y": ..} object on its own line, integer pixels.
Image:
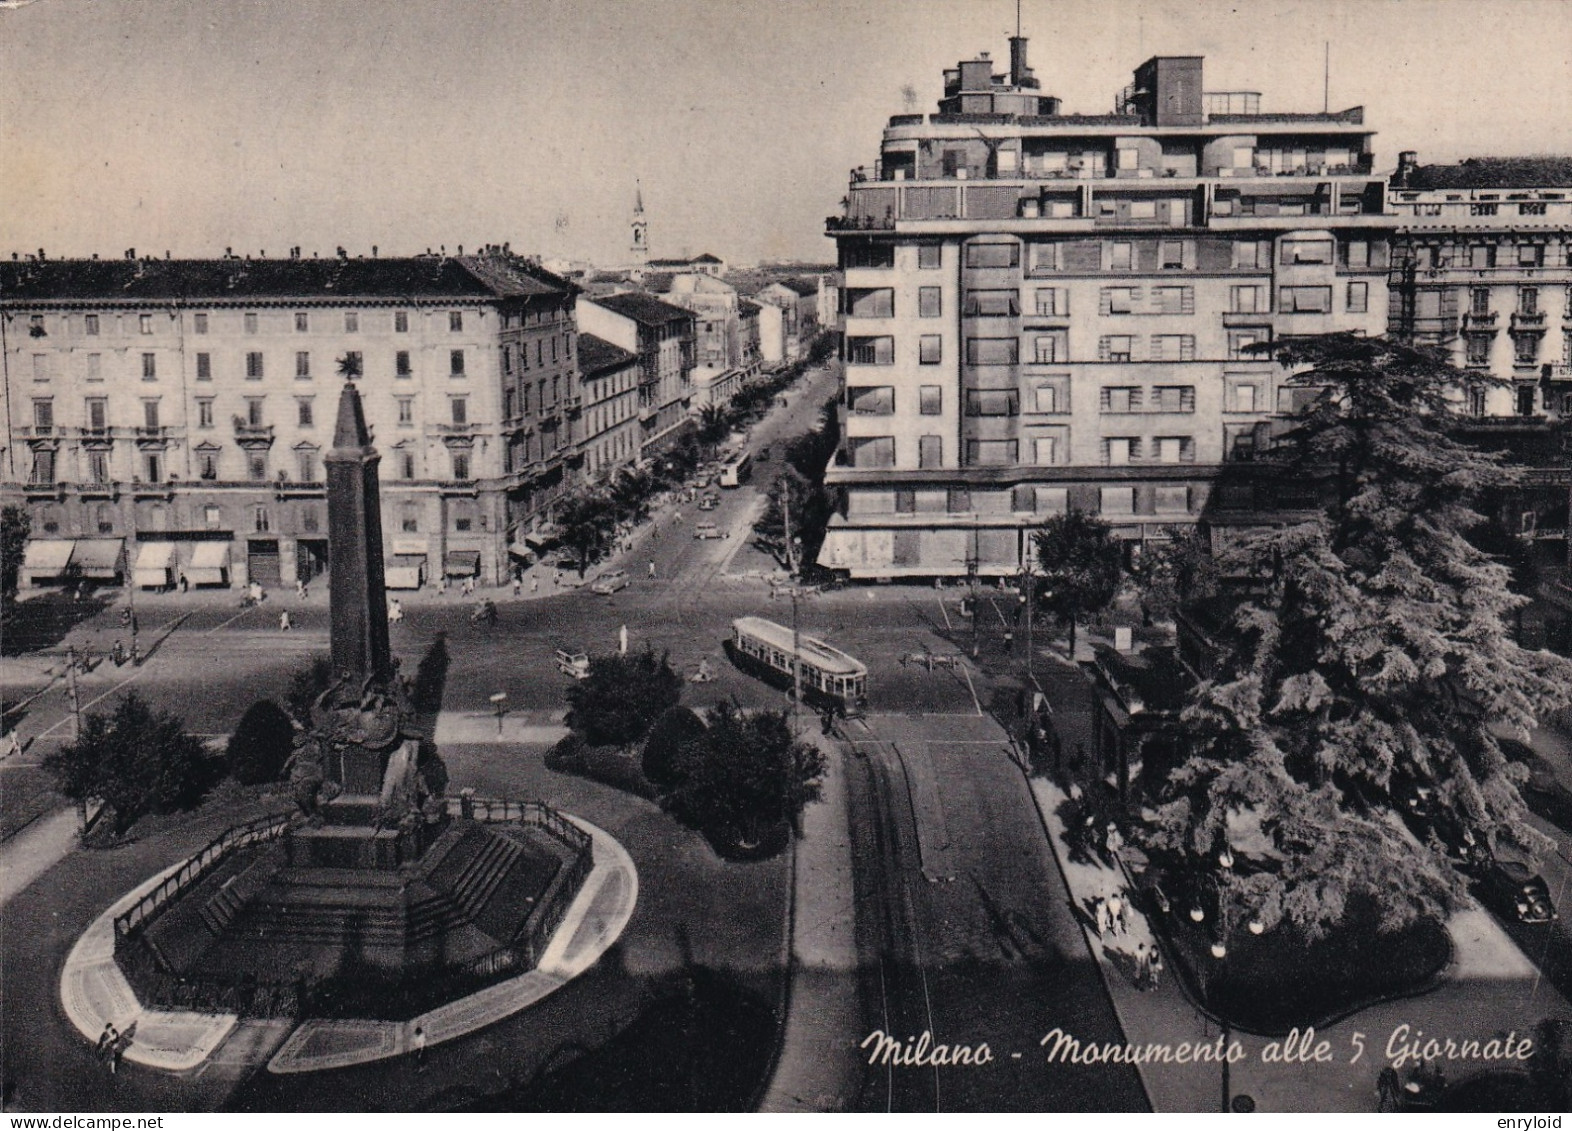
[
  {"x": 373, "y": 251},
  {"x": 1407, "y": 162},
  {"x": 1020, "y": 73},
  {"x": 130, "y": 253}
]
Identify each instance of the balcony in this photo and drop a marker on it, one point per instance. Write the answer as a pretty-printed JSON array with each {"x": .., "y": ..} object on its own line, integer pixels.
[
  {"x": 1480, "y": 322},
  {"x": 573, "y": 403},
  {"x": 460, "y": 429},
  {"x": 1528, "y": 323},
  {"x": 99, "y": 432},
  {"x": 152, "y": 433},
  {"x": 251, "y": 430},
  {"x": 37, "y": 431}
]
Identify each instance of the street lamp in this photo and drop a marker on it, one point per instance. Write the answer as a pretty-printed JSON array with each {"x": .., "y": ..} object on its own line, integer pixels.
[{"x": 499, "y": 707}]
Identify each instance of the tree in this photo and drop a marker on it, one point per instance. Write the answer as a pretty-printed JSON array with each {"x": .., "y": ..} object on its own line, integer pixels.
[
  {"x": 587, "y": 521},
  {"x": 14, "y": 528},
  {"x": 783, "y": 529},
  {"x": 136, "y": 760},
  {"x": 1375, "y": 669},
  {"x": 622, "y": 697},
  {"x": 630, "y": 492},
  {"x": 744, "y": 777},
  {"x": 714, "y": 425},
  {"x": 676, "y": 727},
  {"x": 1169, "y": 575},
  {"x": 261, "y": 744},
  {"x": 1080, "y": 566},
  {"x": 305, "y": 685}
]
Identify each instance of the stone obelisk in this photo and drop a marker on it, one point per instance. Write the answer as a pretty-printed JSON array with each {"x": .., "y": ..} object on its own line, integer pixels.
[{"x": 357, "y": 587}]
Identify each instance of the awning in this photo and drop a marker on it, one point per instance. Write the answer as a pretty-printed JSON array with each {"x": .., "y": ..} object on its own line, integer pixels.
[
  {"x": 539, "y": 539},
  {"x": 405, "y": 571},
  {"x": 209, "y": 564},
  {"x": 521, "y": 550},
  {"x": 462, "y": 563},
  {"x": 155, "y": 562},
  {"x": 98, "y": 558},
  {"x": 47, "y": 557}
]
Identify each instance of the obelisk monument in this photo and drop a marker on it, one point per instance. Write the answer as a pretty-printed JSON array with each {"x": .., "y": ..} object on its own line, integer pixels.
[{"x": 356, "y": 584}]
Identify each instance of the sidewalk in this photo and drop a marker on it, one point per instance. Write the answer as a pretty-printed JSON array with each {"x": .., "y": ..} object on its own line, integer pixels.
[{"x": 818, "y": 1067}]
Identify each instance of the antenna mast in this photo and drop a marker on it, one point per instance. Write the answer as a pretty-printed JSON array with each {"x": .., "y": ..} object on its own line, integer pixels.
[{"x": 1326, "y": 79}]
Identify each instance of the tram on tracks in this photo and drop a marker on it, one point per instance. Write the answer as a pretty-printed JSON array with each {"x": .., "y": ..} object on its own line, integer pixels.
[{"x": 830, "y": 677}]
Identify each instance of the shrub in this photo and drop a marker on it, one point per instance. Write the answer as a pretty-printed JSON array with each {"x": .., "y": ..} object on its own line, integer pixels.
[
  {"x": 675, "y": 728},
  {"x": 261, "y": 744}
]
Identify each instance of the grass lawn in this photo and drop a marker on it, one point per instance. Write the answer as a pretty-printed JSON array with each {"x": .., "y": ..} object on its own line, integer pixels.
[{"x": 1271, "y": 982}]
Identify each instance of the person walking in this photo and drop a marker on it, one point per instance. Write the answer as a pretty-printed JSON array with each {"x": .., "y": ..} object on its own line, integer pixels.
[
  {"x": 184, "y": 584},
  {"x": 1100, "y": 914},
  {"x": 534, "y": 583},
  {"x": 419, "y": 1043},
  {"x": 1154, "y": 968},
  {"x": 1142, "y": 966},
  {"x": 1116, "y": 914},
  {"x": 300, "y": 588},
  {"x": 518, "y": 584},
  {"x": 652, "y": 569},
  {"x": 283, "y": 621},
  {"x": 622, "y": 641}
]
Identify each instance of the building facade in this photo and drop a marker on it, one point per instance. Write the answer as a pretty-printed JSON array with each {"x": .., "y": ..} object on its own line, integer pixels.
[
  {"x": 794, "y": 304},
  {"x": 661, "y": 336},
  {"x": 726, "y": 336},
  {"x": 1044, "y": 310},
  {"x": 184, "y": 406},
  {"x": 609, "y": 383}
]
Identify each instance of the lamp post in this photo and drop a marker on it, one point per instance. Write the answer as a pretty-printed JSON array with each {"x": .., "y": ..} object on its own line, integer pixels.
[{"x": 499, "y": 707}]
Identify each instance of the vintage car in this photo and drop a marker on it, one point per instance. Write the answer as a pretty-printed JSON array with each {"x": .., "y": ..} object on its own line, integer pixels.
[
  {"x": 709, "y": 501},
  {"x": 1516, "y": 891},
  {"x": 574, "y": 664},
  {"x": 706, "y": 530},
  {"x": 610, "y": 581}
]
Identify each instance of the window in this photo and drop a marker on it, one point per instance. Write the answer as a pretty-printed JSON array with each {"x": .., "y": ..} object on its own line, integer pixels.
[
  {"x": 906, "y": 498},
  {"x": 1114, "y": 347},
  {"x": 993, "y": 255},
  {"x": 459, "y": 409},
  {"x": 212, "y": 517},
  {"x": 1117, "y": 500},
  {"x": 1045, "y": 398},
  {"x": 1479, "y": 301},
  {"x": 1527, "y": 348},
  {"x": 872, "y": 451},
  {"x": 1356, "y": 253},
  {"x": 254, "y": 411},
  {"x": 1128, "y": 158},
  {"x": 874, "y": 255},
  {"x": 150, "y": 414},
  {"x": 1171, "y": 253},
  {"x": 250, "y": 321},
  {"x": 97, "y": 412},
  {"x": 930, "y": 349},
  {"x": 256, "y": 469},
  {"x": 1253, "y": 255},
  {"x": 993, "y": 402},
  {"x": 1242, "y": 398},
  {"x": 1476, "y": 401},
  {"x": 401, "y": 364},
  {"x": 1120, "y": 399},
  {"x": 509, "y": 402},
  {"x": 41, "y": 367},
  {"x": 207, "y": 463},
  {"x": 309, "y": 520},
  {"x": 90, "y": 324},
  {"x": 1477, "y": 350},
  {"x": 1240, "y": 341},
  {"x": 406, "y": 468},
  {"x": 205, "y": 412},
  {"x": 930, "y": 400},
  {"x": 1045, "y": 451},
  {"x": 149, "y": 367},
  {"x": 992, "y": 304},
  {"x": 930, "y": 302},
  {"x": 302, "y": 322},
  {"x": 1173, "y": 347},
  {"x": 870, "y": 351},
  {"x": 43, "y": 417},
  {"x": 930, "y": 451},
  {"x": 401, "y": 321},
  {"x": 1119, "y": 300},
  {"x": 1481, "y": 256},
  {"x": 1171, "y": 500},
  {"x": 95, "y": 367},
  {"x": 44, "y": 476},
  {"x": 930, "y": 257},
  {"x": 1050, "y": 500},
  {"x": 992, "y": 351},
  {"x": 1053, "y": 302},
  {"x": 1174, "y": 300},
  {"x": 1174, "y": 449},
  {"x": 253, "y": 366},
  {"x": 303, "y": 411},
  {"x": 871, "y": 400},
  {"x": 870, "y": 303},
  {"x": 1122, "y": 256},
  {"x": 1358, "y": 297},
  {"x": 306, "y": 464},
  {"x": 1143, "y": 209},
  {"x": 992, "y": 453},
  {"x": 98, "y": 472},
  {"x": 1531, "y": 208},
  {"x": 958, "y": 500},
  {"x": 1528, "y": 300},
  {"x": 456, "y": 322},
  {"x": 406, "y": 412},
  {"x": 1172, "y": 398},
  {"x": 351, "y": 321},
  {"x": 261, "y": 521},
  {"x": 153, "y": 465},
  {"x": 302, "y": 365},
  {"x": 204, "y": 366},
  {"x": 1246, "y": 299},
  {"x": 460, "y": 465},
  {"x": 1049, "y": 349},
  {"x": 1304, "y": 300},
  {"x": 456, "y": 363},
  {"x": 409, "y": 519},
  {"x": 1306, "y": 251},
  {"x": 144, "y": 323},
  {"x": 463, "y": 515}
]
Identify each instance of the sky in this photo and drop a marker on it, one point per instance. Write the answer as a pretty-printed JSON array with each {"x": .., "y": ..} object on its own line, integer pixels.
[{"x": 196, "y": 125}]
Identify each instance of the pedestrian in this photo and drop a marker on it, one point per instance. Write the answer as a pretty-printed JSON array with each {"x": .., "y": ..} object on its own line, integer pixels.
[
  {"x": 1116, "y": 914},
  {"x": 622, "y": 641},
  {"x": 300, "y": 588},
  {"x": 827, "y": 720},
  {"x": 534, "y": 583},
  {"x": 442, "y": 586},
  {"x": 518, "y": 584},
  {"x": 105, "y": 1038},
  {"x": 556, "y": 578},
  {"x": 1154, "y": 968},
  {"x": 118, "y": 654},
  {"x": 1100, "y": 915},
  {"x": 283, "y": 621},
  {"x": 467, "y": 589},
  {"x": 652, "y": 569},
  {"x": 108, "y": 1041},
  {"x": 184, "y": 584},
  {"x": 9, "y": 744},
  {"x": 1113, "y": 839},
  {"x": 1142, "y": 965},
  {"x": 420, "y": 1049}
]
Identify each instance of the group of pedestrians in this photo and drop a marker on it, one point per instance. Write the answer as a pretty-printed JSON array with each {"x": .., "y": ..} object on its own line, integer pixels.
[
  {"x": 1109, "y": 913},
  {"x": 112, "y": 1045}
]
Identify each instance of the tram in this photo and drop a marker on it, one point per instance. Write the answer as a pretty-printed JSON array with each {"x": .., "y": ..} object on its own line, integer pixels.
[{"x": 830, "y": 678}]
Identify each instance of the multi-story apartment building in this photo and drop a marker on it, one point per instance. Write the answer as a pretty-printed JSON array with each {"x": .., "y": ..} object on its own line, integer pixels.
[
  {"x": 184, "y": 406},
  {"x": 792, "y": 319},
  {"x": 609, "y": 380},
  {"x": 726, "y": 336},
  {"x": 1044, "y": 310},
  {"x": 661, "y": 336}
]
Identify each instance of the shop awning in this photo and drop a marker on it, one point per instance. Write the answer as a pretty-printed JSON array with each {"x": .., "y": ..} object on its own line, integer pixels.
[
  {"x": 461, "y": 563},
  {"x": 405, "y": 571},
  {"x": 98, "y": 558},
  {"x": 155, "y": 562},
  {"x": 539, "y": 539},
  {"x": 47, "y": 556},
  {"x": 521, "y": 550},
  {"x": 209, "y": 564}
]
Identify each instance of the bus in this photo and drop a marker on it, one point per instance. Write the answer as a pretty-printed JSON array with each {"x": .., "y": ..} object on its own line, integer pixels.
[
  {"x": 737, "y": 472},
  {"x": 830, "y": 678}
]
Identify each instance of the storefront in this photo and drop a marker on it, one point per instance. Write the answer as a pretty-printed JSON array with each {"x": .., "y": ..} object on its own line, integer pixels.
[
  {"x": 405, "y": 571},
  {"x": 262, "y": 565},
  {"x": 209, "y": 564},
  {"x": 99, "y": 560},
  {"x": 461, "y": 563},
  {"x": 46, "y": 561},
  {"x": 155, "y": 566}
]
